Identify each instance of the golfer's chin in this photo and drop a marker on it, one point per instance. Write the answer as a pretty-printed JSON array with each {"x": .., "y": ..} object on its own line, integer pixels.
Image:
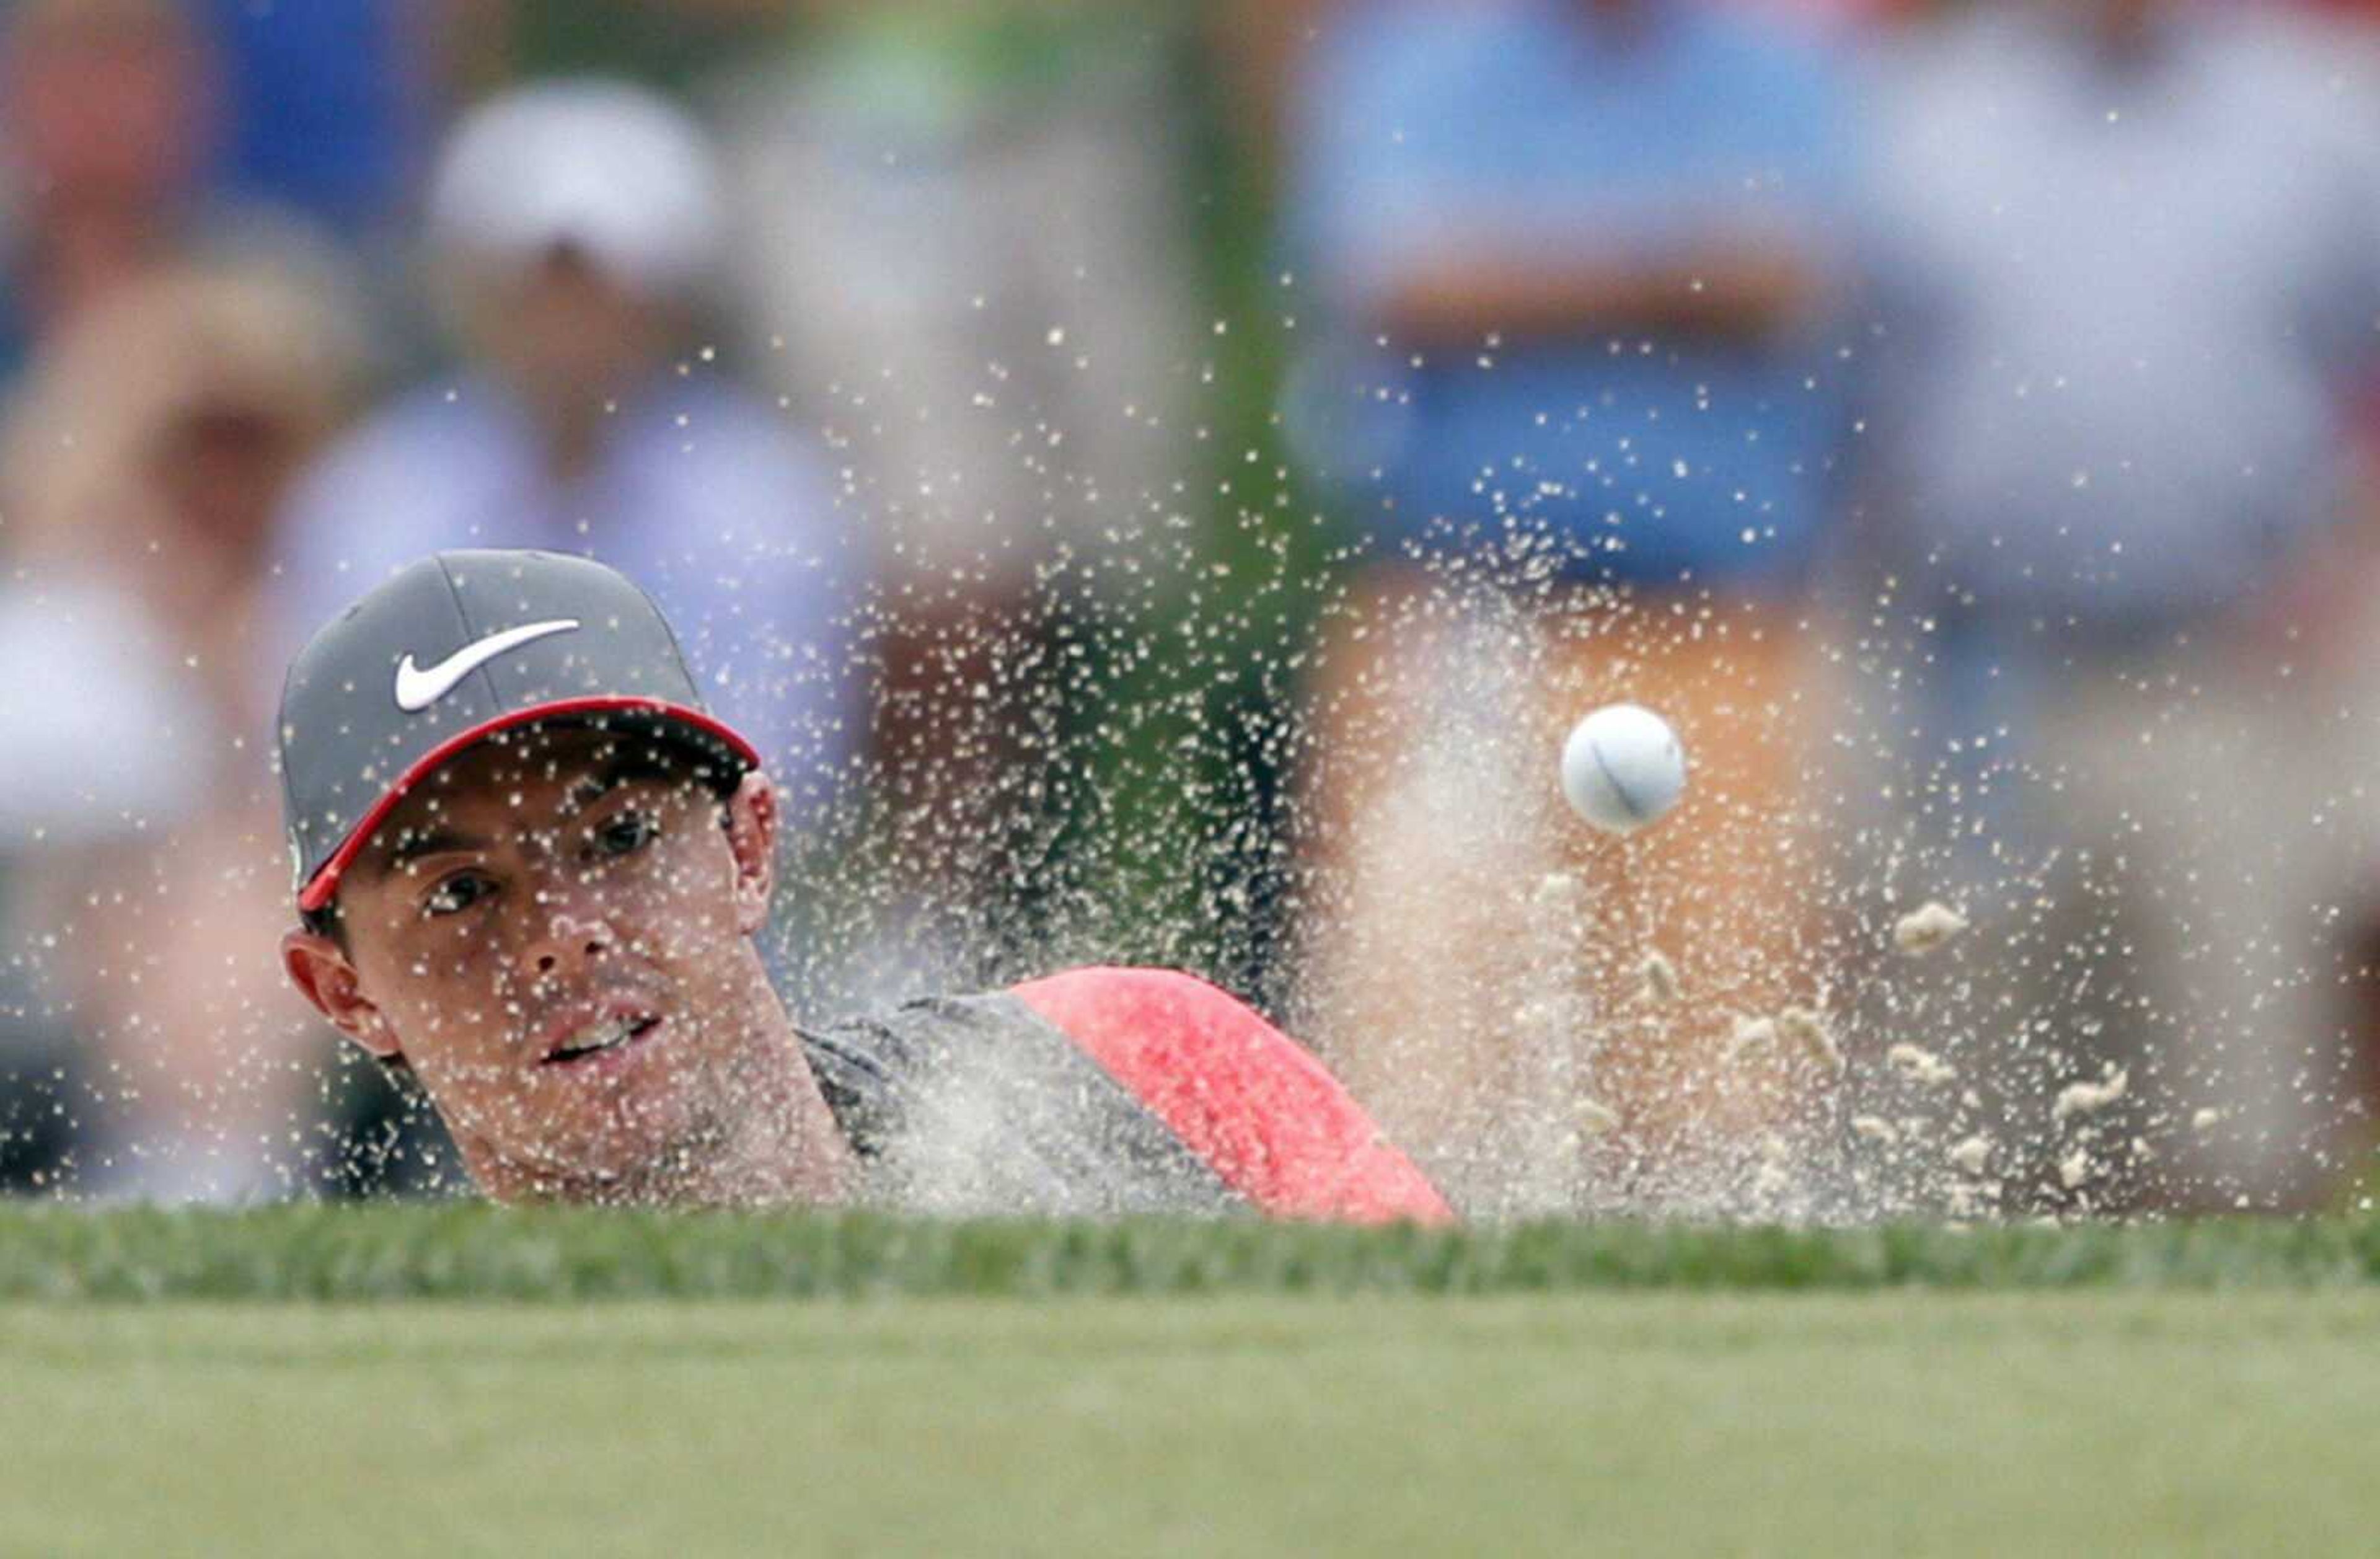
[{"x": 653, "y": 1150}]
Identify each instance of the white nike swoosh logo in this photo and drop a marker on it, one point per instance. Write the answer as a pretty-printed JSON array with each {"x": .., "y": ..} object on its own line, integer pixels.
[{"x": 417, "y": 689}]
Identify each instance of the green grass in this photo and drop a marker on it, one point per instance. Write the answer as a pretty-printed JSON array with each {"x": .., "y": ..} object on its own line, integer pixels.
[
  {"x": 474, "y": 1252},
  {"x": 460, "y": 1378},
  {"x": 1896, "y": 1421}
]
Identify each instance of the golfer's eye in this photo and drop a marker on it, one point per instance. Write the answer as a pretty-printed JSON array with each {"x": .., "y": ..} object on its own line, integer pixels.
[
  {"x": 456, "y": 894},
  {"x": 624, "y": 834}
]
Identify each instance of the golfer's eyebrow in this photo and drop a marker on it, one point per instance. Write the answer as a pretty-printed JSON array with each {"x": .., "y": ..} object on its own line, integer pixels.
[
  {"x": 624, "y": 770},
  {"x": 414, "y": 845},
  {"x": 436, "y": 841}
]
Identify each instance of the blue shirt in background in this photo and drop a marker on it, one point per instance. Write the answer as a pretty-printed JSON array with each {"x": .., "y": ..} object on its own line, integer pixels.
[
  {"x": 327, "y": 110},
  {"x": 1526, "y": 127}
]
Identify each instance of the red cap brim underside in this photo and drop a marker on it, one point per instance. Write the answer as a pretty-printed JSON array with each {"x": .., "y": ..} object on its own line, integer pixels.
[{"x": 324, "y": 883}]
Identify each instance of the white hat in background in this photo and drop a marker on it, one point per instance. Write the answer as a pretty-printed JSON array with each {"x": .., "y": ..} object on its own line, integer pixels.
[{"x": 610, "y": 170}]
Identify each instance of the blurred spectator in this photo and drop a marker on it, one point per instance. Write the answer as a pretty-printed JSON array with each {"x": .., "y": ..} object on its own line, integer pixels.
[
  {"x": 110, "y": 114},
  {"x": 109, "y": 108},
  {"x": 137, "y": 810},
  {"x": 965, "y": 238},
  {"x": 1575, "y": 256},
  {"x": 2126, "y": 257},
  {"x": 1267, "y": 39},
  {"x": 575, "y": 227}
]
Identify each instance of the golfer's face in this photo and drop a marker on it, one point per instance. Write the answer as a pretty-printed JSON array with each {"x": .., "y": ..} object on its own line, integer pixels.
[{"x": 548, "y": 923}]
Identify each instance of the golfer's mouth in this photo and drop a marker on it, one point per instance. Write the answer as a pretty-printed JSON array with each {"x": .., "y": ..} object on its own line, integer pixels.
[{"x": 605, "y": 1036}]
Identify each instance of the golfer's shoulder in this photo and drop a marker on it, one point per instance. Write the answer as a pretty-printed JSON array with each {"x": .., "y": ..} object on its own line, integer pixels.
[
  {"x": 1252, "y": 1102},
  {"x": 1145, "y": 1004},
  {"x": 1259, "y": 1111},
  {"x": 1168, "y": 1038}
]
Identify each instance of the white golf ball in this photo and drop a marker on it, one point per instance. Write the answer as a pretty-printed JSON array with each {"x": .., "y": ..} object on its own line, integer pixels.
[{"x": 1622, "y": 768}]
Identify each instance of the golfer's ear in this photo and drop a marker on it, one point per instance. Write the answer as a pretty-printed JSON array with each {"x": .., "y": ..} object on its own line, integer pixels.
[
  {"x": 752, "y": 839},
  {"x": 324, "y": 977}
]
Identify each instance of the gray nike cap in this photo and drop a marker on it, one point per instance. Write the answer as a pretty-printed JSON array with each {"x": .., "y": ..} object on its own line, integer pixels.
[{"x": 450, "y": 650}]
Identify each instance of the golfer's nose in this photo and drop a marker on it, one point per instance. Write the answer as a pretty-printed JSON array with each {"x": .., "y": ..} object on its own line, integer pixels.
[{"x": 570, "y": 942}]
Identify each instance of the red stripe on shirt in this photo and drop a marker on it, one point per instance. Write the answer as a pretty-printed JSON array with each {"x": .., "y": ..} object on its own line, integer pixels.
[{"x": 1271, "y": 1119}]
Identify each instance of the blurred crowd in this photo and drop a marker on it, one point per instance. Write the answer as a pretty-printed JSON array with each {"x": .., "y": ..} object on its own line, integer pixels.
[{"x": 1955, "y": 418}]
